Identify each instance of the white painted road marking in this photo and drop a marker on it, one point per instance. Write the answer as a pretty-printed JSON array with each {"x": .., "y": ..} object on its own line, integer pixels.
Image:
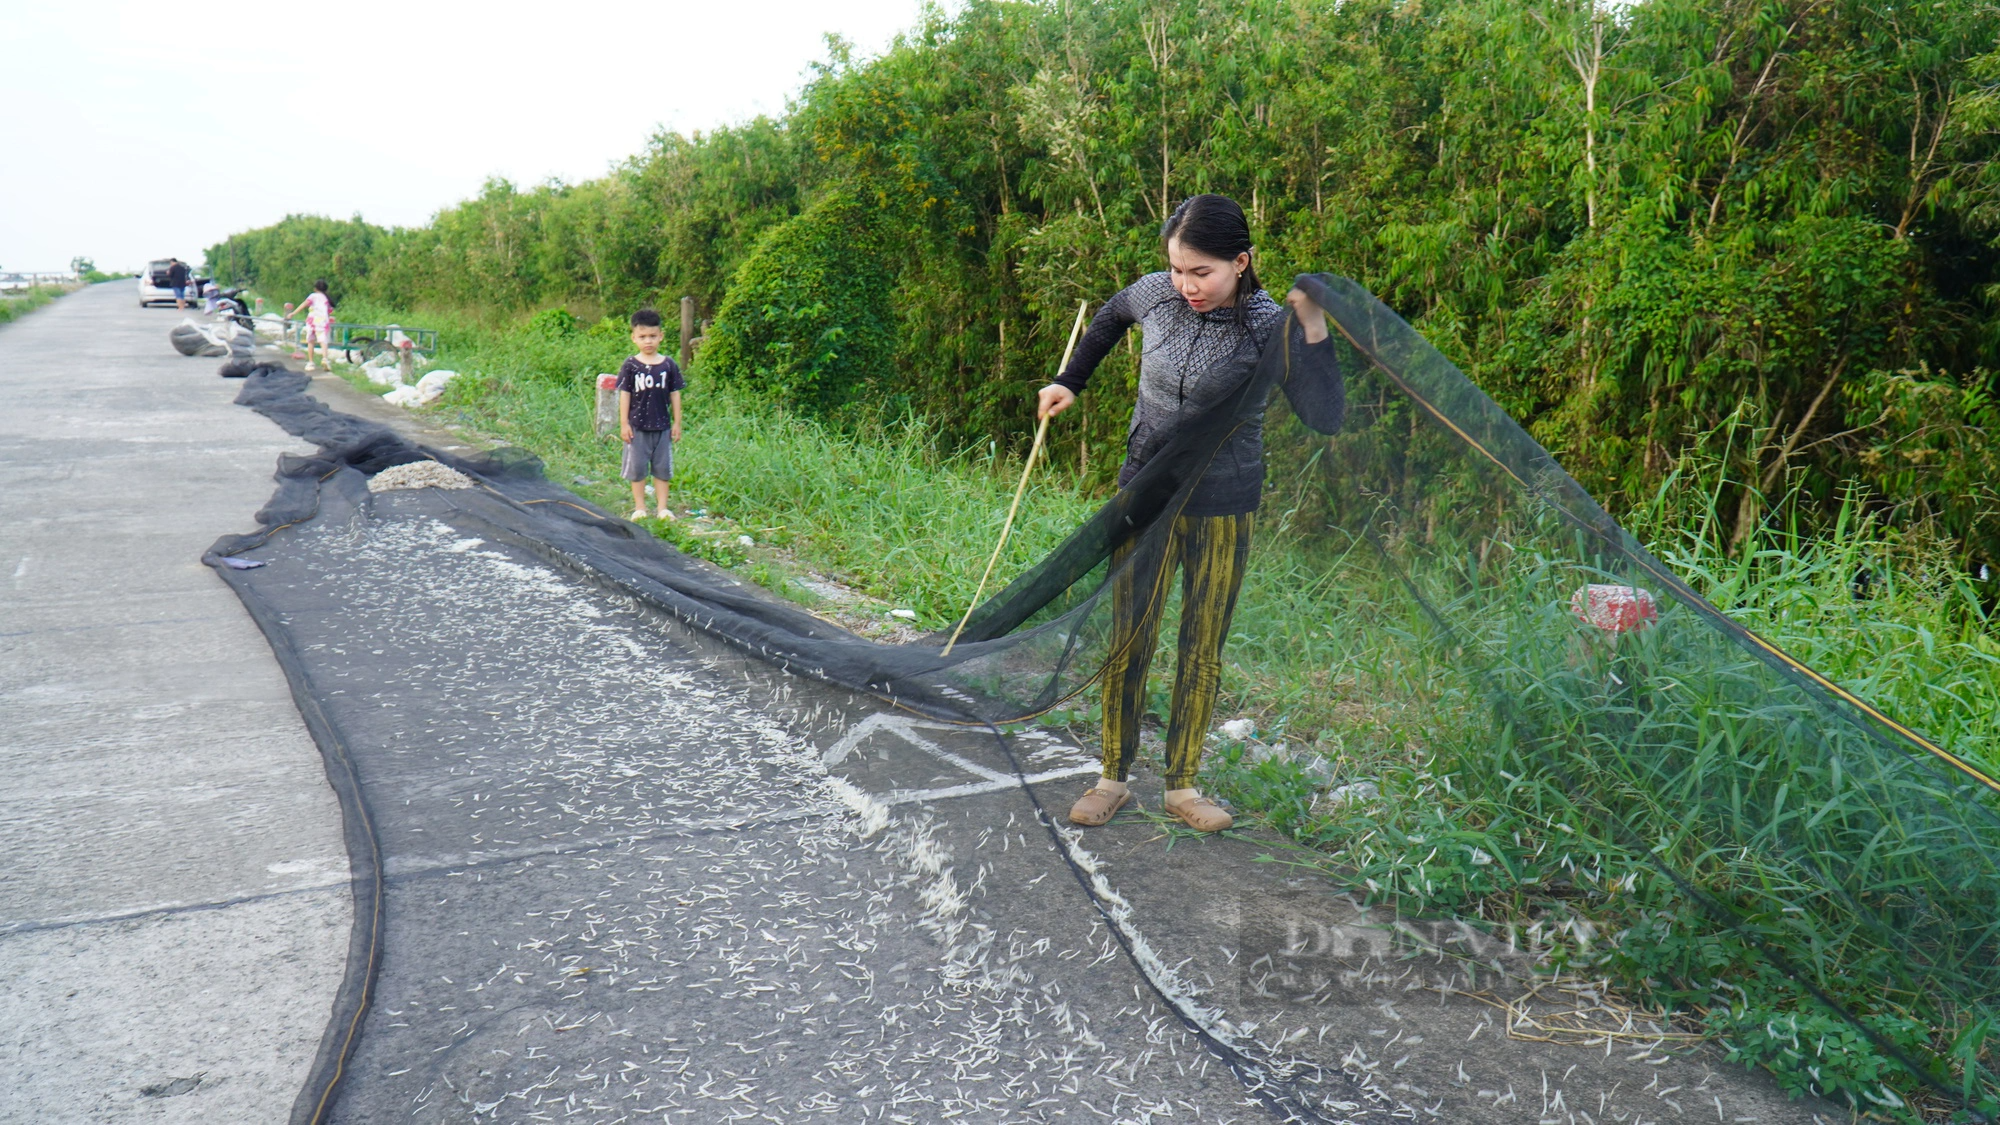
[{"x": 907, "y": 729}]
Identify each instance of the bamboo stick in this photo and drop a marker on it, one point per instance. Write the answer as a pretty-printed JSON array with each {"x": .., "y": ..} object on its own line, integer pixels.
[{"x": 1034, "y": 451}]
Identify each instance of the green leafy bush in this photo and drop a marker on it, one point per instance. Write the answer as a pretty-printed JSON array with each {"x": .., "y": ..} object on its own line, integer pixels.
[
  {"x": 20, "y": 305},
  {"x": 284, "y": 259},
  {"x": 1813, "y": 1051},
  {"x": 553, "y": 324},
  {"x": 808, "y": 321},
  {"x": 1753, "y": 203}
]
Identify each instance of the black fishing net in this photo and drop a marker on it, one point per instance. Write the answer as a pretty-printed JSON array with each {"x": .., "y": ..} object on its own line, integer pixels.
[
  {"x": 588, "y": 848},
  {"x": 1798, "y": 832},
  {"x": 1789, "y": 832}
]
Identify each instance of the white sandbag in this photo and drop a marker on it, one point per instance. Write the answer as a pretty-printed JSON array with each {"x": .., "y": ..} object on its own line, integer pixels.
[
  {"x": 240, "y": 341},
  {"x": 384, "y": 369},
  {"x": 430, "y": 388}
]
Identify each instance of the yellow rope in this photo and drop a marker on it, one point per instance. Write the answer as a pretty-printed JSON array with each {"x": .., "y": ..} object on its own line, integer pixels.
[{"x": 1034, "y": 451}]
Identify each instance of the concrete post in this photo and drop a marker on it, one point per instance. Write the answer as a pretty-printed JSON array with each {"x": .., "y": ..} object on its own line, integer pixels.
[
  {"x": 607, "y": 405},
  {"x": 687, "y": 332}
]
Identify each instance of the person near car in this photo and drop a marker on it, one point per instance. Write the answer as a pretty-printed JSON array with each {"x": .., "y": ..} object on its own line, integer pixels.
[
  {"x": 177, "y": 280},
  {"x": 318, "y": 310},
  {"x": 649, "y": 413}
]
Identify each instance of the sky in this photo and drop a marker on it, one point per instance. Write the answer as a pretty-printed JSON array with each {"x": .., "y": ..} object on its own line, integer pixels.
[{"x": 135, "y": 131}]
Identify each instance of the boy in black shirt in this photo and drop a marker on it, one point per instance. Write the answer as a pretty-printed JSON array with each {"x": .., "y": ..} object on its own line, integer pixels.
[{"x": 649, "y": 413}]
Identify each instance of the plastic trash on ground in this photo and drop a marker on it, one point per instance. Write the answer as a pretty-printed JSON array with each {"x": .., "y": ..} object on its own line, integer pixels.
[
  {"x": 384, "y": 369},
  {"x": 1614, "y": 609},
  {"x": 428, "y": 390}
]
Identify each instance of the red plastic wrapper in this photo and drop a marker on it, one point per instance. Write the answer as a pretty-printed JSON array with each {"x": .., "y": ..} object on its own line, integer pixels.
[
  {"x": 1614, "y": 609},
  {"x": 607, "y": 382}
]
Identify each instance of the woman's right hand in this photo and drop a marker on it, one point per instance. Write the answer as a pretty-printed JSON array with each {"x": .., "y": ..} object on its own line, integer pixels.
[{"x": 1053, "y": 400}]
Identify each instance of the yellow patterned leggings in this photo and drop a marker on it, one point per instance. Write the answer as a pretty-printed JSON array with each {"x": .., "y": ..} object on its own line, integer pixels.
[{"x": 1211, "y": 552}]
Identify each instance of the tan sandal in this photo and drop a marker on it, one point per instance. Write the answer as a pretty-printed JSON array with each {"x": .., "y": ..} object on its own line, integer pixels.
[
  {"x": 1201, "y": 814},
  {"x": 1098, "y": 806}
]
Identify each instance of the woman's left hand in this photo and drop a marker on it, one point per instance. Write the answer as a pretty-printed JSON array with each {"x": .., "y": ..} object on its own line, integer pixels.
[{"x": 1311, "y": 317}]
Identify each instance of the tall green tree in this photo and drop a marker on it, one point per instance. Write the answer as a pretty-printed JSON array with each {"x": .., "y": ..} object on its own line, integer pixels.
[{"x": 1755, "y": 232}]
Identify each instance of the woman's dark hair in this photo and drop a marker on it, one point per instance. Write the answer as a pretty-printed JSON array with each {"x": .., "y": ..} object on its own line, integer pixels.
[
  {"x": 1215, "y": 225},
  {"x": 646, "y": 318},
  {"x": 320, "y": 285}
]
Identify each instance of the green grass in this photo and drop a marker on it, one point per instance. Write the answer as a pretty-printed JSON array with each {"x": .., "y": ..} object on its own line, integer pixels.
[
  {"x": 1510, "y": 818},
  {"x": 885, "y": 506},
  {"x": 16, "y": 307}
]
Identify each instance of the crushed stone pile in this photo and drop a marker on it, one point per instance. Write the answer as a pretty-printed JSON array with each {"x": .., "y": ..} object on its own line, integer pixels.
[{"x": 418, "y": 474}]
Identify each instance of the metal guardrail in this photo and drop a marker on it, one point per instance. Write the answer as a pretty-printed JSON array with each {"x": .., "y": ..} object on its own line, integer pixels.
[
  {"x": 370, "y": 340},
  {"x": 18, "y": 280}
]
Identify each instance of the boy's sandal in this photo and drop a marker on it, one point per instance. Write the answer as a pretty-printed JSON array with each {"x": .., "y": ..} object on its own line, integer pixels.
[
  {"x": 638, "y": 514},
  {"x": 1201, "y": 814},
  {"x": 668, "y": 514},
  {"x": 1097, "y": 807}
]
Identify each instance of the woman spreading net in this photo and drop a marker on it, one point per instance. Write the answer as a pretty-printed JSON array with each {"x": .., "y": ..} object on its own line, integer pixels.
[{"x": 1204, "y": 321}]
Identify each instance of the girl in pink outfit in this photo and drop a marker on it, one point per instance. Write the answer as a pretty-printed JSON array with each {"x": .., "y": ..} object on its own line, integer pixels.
[{"x": 318, "y": 310}]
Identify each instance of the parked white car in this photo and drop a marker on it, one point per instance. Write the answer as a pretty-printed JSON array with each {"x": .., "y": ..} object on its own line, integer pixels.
[{"x": 153, "y": 287}]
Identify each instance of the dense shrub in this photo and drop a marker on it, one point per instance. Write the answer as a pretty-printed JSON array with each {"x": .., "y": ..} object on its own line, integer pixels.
[
  {"x": 286, "y": 258},
  {"x": 808, "y": 321},
  {"x": 1631, "y": 224}
]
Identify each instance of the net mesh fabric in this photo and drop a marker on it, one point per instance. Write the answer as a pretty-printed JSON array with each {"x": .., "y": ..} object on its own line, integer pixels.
[
  {"x": 1807, "y": 833},
  {"x": 1834, "y": 845},
  {"x": 1793, "y": 830}
]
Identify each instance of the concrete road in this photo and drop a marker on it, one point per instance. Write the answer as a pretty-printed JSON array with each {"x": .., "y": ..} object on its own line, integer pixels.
[{"x": 174, "y": 908}]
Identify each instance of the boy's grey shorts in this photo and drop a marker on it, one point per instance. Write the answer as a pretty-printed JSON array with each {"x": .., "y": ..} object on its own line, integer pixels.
[{"x": 649, "y": 453}]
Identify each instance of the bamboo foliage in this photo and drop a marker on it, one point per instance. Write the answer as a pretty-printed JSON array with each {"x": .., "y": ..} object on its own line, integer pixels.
[{"x": 1629, "y": 222}]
